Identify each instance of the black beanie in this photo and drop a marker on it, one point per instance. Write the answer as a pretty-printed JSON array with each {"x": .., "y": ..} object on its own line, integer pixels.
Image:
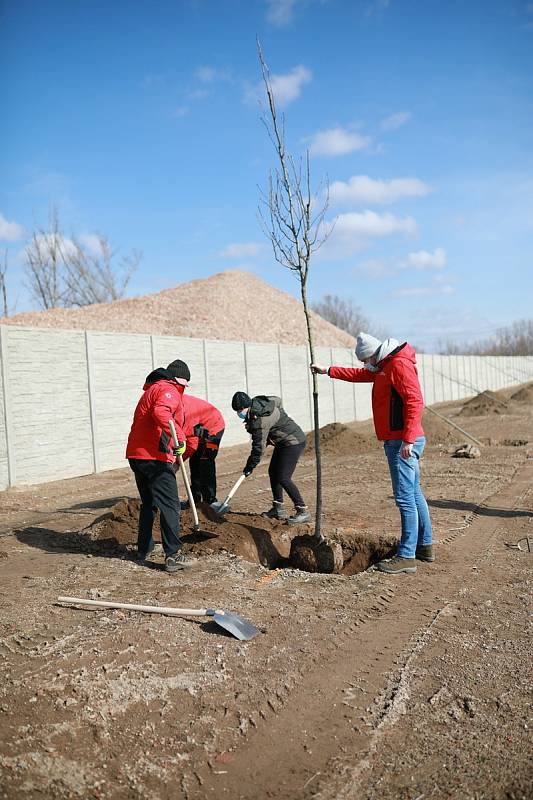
[
  {"x": 179, "y": 369},
  {"x": 241, "y": 400}
]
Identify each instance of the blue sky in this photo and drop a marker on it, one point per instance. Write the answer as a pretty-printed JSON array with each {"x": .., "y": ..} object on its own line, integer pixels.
[{"x": 141, "y": 121}]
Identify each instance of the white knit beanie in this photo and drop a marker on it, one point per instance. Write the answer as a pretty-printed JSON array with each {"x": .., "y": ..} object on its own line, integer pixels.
[{"x": 366, "y": 345}]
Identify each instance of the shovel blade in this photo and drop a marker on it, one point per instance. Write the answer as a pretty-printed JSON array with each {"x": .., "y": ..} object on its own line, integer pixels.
[
  {"x": 217, "y": 510},
  {"x": 237, "y": 626}
]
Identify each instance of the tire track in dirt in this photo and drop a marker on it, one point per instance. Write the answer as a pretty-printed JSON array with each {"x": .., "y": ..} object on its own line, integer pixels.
[{"x": 308, "y": 748}]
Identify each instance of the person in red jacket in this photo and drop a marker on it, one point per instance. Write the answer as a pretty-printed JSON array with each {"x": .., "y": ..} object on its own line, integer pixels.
[
  {"x": 204, "y": 428},
  {"x": 151, "y": 455},
  {"x": 397, "y": 407}
]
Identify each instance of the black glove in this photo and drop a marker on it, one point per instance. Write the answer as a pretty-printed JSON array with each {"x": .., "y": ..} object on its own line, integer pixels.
[{"x": 247, "y": 472}]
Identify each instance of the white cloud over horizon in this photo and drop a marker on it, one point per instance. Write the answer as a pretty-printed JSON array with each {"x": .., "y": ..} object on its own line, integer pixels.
[
  {"x": 363, "y": 190},
  {"x": 10, "y": 231},
  {"x": 395, "y": 121},
  {"x": 354, "y": 231},
  {"x": 337, "y": 142},
  {"x": 241, "y": 250},
  {"x": 286, "y": 87},
  {"x": 423, "y": 259},
  {"x": 438, "y": 287},
  {"x": 279, "y": 12}
]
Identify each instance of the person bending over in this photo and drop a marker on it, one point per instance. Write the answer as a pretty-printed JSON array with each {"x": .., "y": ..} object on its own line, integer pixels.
[
  {"x": 204, "y": 428},
  {"x": 268, "y": 423}
]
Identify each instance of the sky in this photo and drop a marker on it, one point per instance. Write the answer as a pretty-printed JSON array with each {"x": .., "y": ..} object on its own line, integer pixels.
[{"x": 142, "y": 122}]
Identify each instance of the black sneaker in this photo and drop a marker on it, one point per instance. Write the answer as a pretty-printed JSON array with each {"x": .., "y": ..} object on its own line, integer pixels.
[
  {"x": 144, "y": 556},
  {"x": 178, "y": 561},
  {"x": 301, "y": 515},
  {"x": 276, "y": 512}
]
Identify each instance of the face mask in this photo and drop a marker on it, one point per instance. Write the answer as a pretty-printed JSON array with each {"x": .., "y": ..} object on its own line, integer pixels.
[{"x": 242, "y": 414}]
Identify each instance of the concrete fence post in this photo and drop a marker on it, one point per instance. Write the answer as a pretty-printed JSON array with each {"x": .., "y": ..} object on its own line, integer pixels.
[
  {"x": 92, "y": 401},
  {"x": 245, "y": 353},
  {"x": 8, "y": 419}
]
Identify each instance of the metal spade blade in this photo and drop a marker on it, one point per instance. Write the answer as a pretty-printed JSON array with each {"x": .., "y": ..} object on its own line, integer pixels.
[{"x": 237, "y": 626}]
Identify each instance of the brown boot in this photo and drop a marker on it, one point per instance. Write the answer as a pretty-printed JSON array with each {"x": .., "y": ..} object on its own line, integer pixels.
[
  {"x": 397, "y": 564},
  {"x": 424, "y": 552}
]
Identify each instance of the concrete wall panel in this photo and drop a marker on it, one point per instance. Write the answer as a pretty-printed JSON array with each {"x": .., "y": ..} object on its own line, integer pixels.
[{"x": 50, "y": 412}]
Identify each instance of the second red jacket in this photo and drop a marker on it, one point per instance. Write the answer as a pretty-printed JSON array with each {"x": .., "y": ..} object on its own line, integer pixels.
[
  {"x": 199, "y": 412},
  {"x": 397, "y": 402}
]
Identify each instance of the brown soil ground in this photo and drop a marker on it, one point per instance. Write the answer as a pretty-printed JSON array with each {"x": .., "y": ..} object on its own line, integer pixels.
[{"x": 360, "y": 685}]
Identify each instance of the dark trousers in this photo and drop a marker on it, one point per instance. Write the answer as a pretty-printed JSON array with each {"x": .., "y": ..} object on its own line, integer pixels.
[
  {"x": 203, "y": 469},
  {"x": 157, "y": 487},
  {"x": 282, "y": 465}
]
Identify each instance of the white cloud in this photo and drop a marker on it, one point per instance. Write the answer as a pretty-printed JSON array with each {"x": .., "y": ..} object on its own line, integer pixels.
[
  {"x": 337, "y": 142},
  {"x": 360, "y": 189},
  {"x": 395, "y": 121},
  {"x": 286, "y": 87},
  {"x": 354, "y": 231},
  {"x": 10, "y": 231},
  {"x": 92, "y": 242},
  {"x": 436, "y": 288},
  {"x": 206, "y": 74},
  {"x": 423, "y": 259},
  {"x": 373, "y": 268},
  {"x": 280, "y": 12},
  {"x": 241, "y": 250},
  {"x": 49, "y": 242}
]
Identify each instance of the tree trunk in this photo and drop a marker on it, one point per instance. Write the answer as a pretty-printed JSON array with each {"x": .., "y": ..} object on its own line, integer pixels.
[{"x": 316, "y": 423}]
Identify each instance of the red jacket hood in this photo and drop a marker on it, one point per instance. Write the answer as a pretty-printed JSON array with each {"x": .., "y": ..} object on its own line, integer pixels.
[{"x": 404, "y": 351}]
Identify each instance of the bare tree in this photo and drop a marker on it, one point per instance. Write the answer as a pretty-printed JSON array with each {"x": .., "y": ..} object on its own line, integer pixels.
[
  {"x": 45, "y": 265},
  {"x": 294, "y": 222},
  {"x": 93, "y": 276},
  {"x": 65, "y": 272},
  {"x": 3, "y": 286},
  {"x": 342, "y": 313},
  {"x": 513, "y": 340}
]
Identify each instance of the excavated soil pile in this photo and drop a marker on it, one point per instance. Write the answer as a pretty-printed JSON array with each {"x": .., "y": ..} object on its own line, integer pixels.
[
  {"x": 484, "y": 403},
  {"x": 250, "y": 536},
  {"x": 524, "y": 395},
  {"x": 341, "y": 440}
]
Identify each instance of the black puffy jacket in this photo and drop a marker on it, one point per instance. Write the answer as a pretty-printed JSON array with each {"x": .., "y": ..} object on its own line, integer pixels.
[{"x": 268, "y": 423}]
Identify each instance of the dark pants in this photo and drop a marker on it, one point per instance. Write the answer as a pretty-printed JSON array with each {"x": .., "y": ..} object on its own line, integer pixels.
[
  {"x": 156, "y": 483},
  {"x": 282, "y": 465},
  {"x": 203, "y": 469}
]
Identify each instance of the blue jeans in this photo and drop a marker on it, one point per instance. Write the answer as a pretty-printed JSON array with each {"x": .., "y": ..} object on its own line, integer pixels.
[{"x": 414, "y": 511}]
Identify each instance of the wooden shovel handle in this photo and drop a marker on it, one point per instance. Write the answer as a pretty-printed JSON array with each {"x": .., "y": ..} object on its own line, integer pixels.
[{"x": 184, "y": 474}]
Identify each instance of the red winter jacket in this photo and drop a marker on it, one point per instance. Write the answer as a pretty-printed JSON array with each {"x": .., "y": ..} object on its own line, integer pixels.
[
  {"x": 397, "y": 403},
  {"x": 199, "y": 412},
  {"x": 150, "y": 437}
]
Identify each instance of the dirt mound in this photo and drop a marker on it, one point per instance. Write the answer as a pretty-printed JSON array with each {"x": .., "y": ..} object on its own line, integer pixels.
[
  {"x": 484, "y": 403},
  {"x": 524, "y": 395},
  {"x": 228, "y": 306},
  {"x": 252, "y": 537},
  {"x": 439, "y": 432},
  {"x": 341, "y": 440}
]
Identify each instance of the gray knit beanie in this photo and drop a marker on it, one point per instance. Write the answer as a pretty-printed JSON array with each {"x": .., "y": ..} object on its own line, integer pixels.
[{"x": 366, "y": 345}]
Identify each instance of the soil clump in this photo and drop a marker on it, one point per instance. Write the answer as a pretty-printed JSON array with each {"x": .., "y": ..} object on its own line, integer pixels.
[{"x": 342, "y": 440}]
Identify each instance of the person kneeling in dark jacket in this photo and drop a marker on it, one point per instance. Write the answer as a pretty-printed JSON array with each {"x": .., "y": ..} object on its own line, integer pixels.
[{"x": 268, "y": 423}]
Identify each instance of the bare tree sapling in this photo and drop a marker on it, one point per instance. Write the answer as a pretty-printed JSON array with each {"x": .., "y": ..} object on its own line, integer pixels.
[{"x": 293, "y": 219}]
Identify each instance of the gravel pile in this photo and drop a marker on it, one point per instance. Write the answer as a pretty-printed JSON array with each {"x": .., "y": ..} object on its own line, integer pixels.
[{"x": 232, "y": 305}]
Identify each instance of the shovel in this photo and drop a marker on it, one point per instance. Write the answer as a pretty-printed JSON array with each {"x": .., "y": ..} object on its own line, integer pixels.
[
  {"x": 196, "y": 527},
  {"x": 237, "y": 626},
  {"x": 219, "y": 509}
]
